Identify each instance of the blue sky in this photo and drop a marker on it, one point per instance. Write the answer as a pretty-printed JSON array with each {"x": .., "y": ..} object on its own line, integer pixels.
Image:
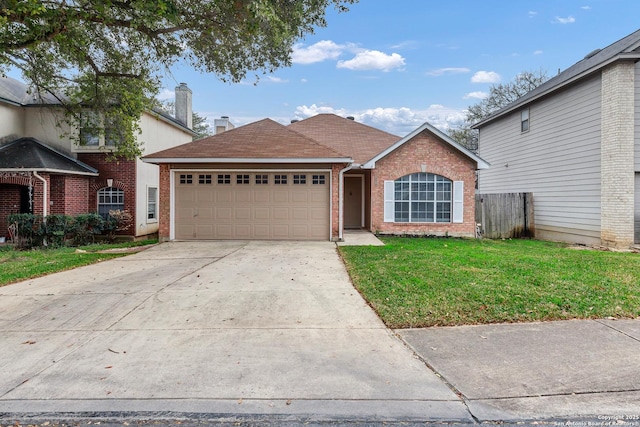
[{"x": 396, "y": 64}]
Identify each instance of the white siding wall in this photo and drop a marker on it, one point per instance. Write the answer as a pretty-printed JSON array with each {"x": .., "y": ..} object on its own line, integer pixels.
[
  {"x": 637, "y": 117},
  {"x": 42, "y": 124},
  {"x": 11, "y": 121},
  {"x": 156, "y": 135},
  {"x": 558, "y": 160}
]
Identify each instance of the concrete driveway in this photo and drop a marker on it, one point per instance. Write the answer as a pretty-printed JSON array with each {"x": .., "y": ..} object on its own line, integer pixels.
[{"x": 215, "y": 327}]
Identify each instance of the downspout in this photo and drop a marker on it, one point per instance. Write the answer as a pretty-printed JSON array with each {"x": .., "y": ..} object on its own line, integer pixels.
[
  {"x": 341, "y": 198},
  {"x": 44, "y": 195}
]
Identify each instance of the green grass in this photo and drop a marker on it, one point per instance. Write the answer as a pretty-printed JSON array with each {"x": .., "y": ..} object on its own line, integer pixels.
[
  {"x": 419, "y": 282},
  {"x": 22, "y": 265}
]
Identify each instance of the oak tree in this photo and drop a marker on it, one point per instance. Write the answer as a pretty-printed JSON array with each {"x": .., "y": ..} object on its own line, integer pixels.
[{"x": 107, "y": 56}]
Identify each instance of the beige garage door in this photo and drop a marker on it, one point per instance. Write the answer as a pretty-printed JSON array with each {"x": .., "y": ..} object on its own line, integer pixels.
[{"x": 252, "y": 205}]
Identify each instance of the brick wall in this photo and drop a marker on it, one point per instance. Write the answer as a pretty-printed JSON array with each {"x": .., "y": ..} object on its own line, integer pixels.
[
  {"x": 10, "y": 196},
  {"x": 164, "y": 203},
  {"x": 617, "y": 161},
  {"x": 69, "y": 195},
  {"x": 123, "y": 173},
  {"x": 424, "y": 153}
]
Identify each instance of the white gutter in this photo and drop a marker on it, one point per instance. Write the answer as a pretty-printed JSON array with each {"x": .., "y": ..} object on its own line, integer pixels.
[
  {"x": 44, "y": 195},
  {"x": 341, "y": 198},
  {"x": 268, "y": 160}
]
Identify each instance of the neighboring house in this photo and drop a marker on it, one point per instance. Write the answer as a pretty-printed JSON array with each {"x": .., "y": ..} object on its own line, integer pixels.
[
  {"x": 314, "y": 178},
  {"x": 574, "y": 142},
  {"x": 45, "y": 173}
]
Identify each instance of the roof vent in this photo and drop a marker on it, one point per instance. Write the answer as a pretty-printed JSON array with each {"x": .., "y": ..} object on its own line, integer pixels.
[
  {"x": 592, "y": 53},
  {"x": 351, "y": 118},
  {"x": 295, "y": 121}
]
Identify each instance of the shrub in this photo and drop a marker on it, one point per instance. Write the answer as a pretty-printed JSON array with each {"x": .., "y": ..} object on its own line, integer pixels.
[
  {"x": 57, "y": 230},
  {"x": 29, "y": 231},
  {"x": 85, "y": 227},
  {"x": 118, "y": 220}
]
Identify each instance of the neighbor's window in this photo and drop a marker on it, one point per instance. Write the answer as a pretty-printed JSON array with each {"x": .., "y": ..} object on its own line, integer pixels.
[
  {"x": 262, "y": 179},
  {"x": 186, "y": 179},
  {"x": 204, "y": 179},
  {"x": 224, "y": 179},
  {"x": 99, "y": 131},
  {"x": 110, "y": 198},
  {"x": 524, "y": 120},
  {"x": 242, "y": 179},
  {"x": 299, "y": 179},
  {"x": 280, "y": 179},
  {"x": 422, "y": 197},
  {"x": 152, "y": 203}
]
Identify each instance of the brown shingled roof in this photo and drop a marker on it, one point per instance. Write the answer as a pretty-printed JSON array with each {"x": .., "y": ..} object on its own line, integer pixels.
[
  {"x": 264, "y": 139},
  {"x": 352, "y": 139}
]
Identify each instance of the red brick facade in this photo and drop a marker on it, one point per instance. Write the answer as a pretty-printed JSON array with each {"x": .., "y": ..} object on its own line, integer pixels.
[
  {"x": 67, "y": 194},
  {"x": 123, "y": 174},
  {"x": 424, "y": 153},
  {"x": 164, "y": 203}
]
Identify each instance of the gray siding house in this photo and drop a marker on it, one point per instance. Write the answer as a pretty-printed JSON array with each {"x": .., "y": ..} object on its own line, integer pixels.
[{"x": 574, "y": 142}]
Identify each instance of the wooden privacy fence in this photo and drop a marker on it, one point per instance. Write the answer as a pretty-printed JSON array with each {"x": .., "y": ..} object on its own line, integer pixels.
[{"x": 506, "y": 215}]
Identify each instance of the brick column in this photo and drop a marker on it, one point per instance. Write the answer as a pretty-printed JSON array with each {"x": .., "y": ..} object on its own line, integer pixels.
[{"x": 617, "y": 162}]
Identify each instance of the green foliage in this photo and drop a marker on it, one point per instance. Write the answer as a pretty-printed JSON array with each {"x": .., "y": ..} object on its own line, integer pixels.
[
  {"x": 29, "y": 229},
  {"x": 85, "y": 227},
  {"x": 117, "y": 221},
  {"x": 500, "y": 96},
  {"x": 418, "y": 282},
  {"x": 56, "y": 230},
  {"x": 106, "y": 56},
  {"x": 199, "y": 123}
]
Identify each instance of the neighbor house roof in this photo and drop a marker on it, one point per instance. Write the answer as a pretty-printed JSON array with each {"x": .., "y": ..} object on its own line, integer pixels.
[
  {"x": 346, "y": 136},
  {"x": 626, "y": 48},
  {"x": 426, "y": 127},
  {"x": 264, "y": 141},
  {"x": 29, "y": 154}
]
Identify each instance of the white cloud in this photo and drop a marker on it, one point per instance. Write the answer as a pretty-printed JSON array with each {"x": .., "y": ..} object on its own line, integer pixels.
[
  {"x": 476, "y": 95},
  {"x": 399, "y": 121},
  {"x": 317, "y": 52},
  {"x": 585, "y": 7},
  {"x": 532, "y": 13},
  {"x": 407, "y": 44},
  {"x": 567, "y": 20},
  {"x": 447, "y": 70},
  {"x": 485, "y": 77},
  {"x": 373, "y": 60},
  {"x": 537, "y": 52},
  {"x": 273, "y": 79},
  {"x": 166, "y": 94},
  {"x": 303, "y": 80}
]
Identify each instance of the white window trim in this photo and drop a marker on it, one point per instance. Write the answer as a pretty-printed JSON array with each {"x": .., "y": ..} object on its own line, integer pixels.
[
  {"x": 522, "y": 120},
  {"x": 153, "y": 220},
  {"x": 457, "y": 204}
]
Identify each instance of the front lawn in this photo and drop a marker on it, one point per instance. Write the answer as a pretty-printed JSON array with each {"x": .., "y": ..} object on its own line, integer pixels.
[
  {"x": 419, "y": 282},
  {"x": 18, "y": 265}
]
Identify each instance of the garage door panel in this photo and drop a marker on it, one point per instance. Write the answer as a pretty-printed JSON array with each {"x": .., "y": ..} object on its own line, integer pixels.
[
  {"x": 243, "y": 196},
  {"x": 261, "y": 195},
  {"x": 281, "y": 196},
  {"x": 245, "y": 209},
  {"x": 224, "y": 214},
  {"x": 261, "y": 213},
  {"x": 280, "y": 214},
  {"x": 243, "y": 214},
  {"x": 280, "y": 231}
]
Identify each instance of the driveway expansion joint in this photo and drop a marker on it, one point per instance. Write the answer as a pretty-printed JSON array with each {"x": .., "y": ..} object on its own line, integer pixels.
[{"x": 617, "y": 330}]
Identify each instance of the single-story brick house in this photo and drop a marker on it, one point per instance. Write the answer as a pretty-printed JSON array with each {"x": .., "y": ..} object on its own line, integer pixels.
[{"x": 314, "y": 178}]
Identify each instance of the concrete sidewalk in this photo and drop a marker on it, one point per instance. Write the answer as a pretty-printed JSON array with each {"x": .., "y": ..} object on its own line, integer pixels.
[{"x": 577, "y": 369}]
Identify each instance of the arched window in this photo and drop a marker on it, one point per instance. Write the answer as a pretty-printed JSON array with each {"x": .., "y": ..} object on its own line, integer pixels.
[
  {"x": 422, "y": 197},
  {"x": 110, "y": 198}
]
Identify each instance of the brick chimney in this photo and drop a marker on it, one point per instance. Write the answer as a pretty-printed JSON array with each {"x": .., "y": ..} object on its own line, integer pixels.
[{"x": 184, "y": 109}]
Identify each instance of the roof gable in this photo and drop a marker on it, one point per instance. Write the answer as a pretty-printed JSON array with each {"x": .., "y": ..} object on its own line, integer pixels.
[
  {"x": 480, "y": 163},
  {"x": 625, "y": 48},
  {"x": 29, "y": 154},
  {"x": 259, "y": 141},
  {"x": 346, "y": 136}
]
